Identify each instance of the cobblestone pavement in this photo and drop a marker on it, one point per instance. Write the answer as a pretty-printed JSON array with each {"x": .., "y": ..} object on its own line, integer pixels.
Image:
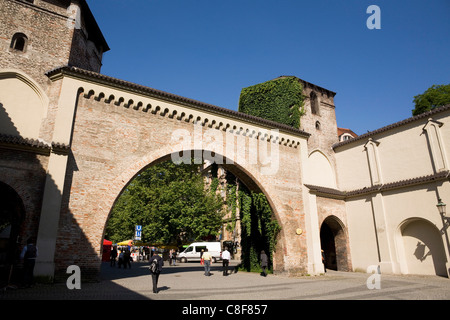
[{"x": 187, "y": 282}]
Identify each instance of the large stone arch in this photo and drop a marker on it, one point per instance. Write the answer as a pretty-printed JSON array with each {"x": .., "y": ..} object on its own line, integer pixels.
[{"x": 249, "y": 176}]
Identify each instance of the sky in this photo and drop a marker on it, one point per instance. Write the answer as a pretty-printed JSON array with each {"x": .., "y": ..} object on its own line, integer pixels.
[{"x": 208, "y": 50}]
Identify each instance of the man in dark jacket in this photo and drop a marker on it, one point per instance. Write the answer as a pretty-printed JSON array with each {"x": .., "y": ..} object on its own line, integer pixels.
[
  {"x": 155, "y": 274},
  {"x": 264, "y": 263}
]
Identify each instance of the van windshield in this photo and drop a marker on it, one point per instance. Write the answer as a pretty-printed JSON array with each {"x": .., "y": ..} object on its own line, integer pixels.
[{"x": 189, "y": 249}]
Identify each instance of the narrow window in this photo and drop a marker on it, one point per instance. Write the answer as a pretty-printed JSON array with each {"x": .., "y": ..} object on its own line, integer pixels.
[
  {"x": 314, "y": 103},
  {"x": 19, "y": 42},
  {"x": 317, "y": 125}
]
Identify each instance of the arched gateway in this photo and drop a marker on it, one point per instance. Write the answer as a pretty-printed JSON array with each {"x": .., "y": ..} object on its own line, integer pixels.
[{"x": 115, "y": 129}]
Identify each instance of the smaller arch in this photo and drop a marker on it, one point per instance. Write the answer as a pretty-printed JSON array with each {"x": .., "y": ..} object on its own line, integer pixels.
[
  {"x": 100, "y": 96},
  {"x": 173, "y": 114},
  {"x": 181, "y": 116},
  {"x": 89, "y": 94},
  {"x": 147, "y": 107},
  {"x": 110, "y": 99},
  {"x": 334, "y": 243},
  {"x": 19, "y": 42},
  {"x": 129, "y": 103},
  {"x": 318, "y": 125},
  {"x": 164, "y": 112},
  {"x": 138, "y": 105},
  {"x": 157, "y": 108},
  {"x": 119, "y": 102},
  {"x": 198, "y": 120},
  {"x": 420, "y": 248}
]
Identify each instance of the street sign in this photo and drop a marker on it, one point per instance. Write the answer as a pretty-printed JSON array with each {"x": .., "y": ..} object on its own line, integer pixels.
[{"x": 138, "y": 233}]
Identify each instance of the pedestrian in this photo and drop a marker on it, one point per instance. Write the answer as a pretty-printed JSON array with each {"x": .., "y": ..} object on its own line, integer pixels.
[
  {"x": 201, "y": 257},
  {"x": 264, "y": 263},
  {"x": 28, "y": 255},
  {"x": 207, "y": 261},
  {"x": 225, "y": 261},
  {"x": 113, "y": 256},
  {"x": 174, "y": 257},
  {"x": 156, "y": 264},
  {"x": 170, "y": 257},
  {"x": 323, "y": 260},
  {"x": 127, "y": 259},
  {"x": 120, "y": 258}
]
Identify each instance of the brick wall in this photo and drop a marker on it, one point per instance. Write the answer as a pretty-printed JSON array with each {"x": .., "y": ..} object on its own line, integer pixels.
[{"x": 111, "y": 144}]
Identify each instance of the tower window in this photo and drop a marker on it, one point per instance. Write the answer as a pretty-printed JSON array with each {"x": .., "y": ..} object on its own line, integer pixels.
[
  {"x": 317, "y": 125},
  {"x": 19, "y": 42},
  {"x": 314, "y": 103}
]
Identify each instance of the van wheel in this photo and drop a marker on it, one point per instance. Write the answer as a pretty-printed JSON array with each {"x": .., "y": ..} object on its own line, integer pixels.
[
  {"x": 183, "y": 260},
  {"x": 214, "y": 260}
]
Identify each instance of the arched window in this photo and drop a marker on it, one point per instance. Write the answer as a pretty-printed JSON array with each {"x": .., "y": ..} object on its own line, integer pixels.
[
  {"x": 19, "y": 42},
  {"x": 317, "y": 125}
]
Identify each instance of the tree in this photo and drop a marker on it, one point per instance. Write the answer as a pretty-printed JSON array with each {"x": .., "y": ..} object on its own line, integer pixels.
[
  {"x": 433, "y": 97},
  {"x": 170, "y": 202}
]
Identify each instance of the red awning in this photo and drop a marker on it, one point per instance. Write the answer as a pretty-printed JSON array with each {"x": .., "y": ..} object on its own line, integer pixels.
[{"x": 107, "y": 242}]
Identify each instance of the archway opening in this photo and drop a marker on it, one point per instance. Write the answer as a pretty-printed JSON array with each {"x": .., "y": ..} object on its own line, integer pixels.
[
  {"x": 224, "y": 180},
  {"x": 11, "y": 216},
  {"x": 423, "y": 248},
  {"x": 334, "y": 242}
]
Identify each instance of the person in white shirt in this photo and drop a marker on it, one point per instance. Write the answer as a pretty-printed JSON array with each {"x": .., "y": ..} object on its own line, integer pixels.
[{"x": 225, "y": 261}]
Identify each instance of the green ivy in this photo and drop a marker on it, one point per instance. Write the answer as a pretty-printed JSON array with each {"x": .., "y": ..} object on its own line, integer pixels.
[
  {"x": 259, "y": 228},
  {"x": 279, "y": 100}
]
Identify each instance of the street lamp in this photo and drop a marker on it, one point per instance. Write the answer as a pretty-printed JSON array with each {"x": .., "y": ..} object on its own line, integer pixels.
[{"x": 441, "y": 207}]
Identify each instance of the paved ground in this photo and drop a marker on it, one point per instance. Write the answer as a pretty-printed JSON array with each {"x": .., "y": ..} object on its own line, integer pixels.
[{"x": 187, "y": 282}]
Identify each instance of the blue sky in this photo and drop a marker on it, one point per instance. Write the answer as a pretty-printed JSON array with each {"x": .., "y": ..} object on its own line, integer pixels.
[{"x": 209, "y": 50}]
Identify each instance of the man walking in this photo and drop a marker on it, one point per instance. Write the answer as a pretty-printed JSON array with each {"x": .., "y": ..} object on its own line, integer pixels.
[
  {"x": 225, "y": 261},
  {"x": 156, "y": 264},
  {"x": 207, "y": 260}
]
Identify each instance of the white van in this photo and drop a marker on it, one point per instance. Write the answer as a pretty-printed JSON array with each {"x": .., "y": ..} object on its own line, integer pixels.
[{"x": 192, "y": 253}]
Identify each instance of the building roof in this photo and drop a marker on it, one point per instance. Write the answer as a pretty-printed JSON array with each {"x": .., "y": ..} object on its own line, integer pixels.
[
  {"x": 341, "y": 131},
  {"x": 140, "y": 89},
  {"x": 310, "y": 85},
  {"x": 392, "y": 126}
]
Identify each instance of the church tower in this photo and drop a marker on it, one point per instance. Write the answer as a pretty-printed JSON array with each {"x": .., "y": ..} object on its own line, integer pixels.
[{"x": 37, "y": 36}]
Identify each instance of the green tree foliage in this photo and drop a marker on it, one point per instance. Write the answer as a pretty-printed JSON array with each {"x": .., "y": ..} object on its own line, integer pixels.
[
  {"x": 170, "y": 202},
  {"x": 279, "y": 100},
  {"x": 433, "y": 97}
]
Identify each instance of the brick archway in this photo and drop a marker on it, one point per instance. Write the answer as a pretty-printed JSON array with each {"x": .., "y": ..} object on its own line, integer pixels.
[
  {"x": 334, "y": 243},
  {"x": 117, "y": 134}
]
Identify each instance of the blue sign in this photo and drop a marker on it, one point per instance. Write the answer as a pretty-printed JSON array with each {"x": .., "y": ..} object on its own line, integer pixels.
[{"x": 138, "y": 233}]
